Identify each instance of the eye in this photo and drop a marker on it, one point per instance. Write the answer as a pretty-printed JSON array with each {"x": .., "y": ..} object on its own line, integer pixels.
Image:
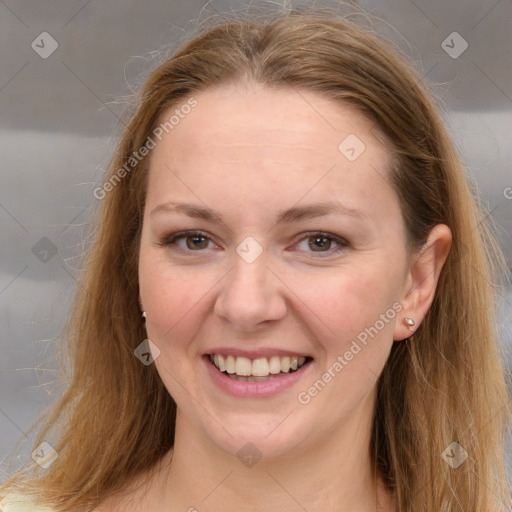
[
  {"x": 321, "y": 243},
  {"x": 194, "y": 241}
]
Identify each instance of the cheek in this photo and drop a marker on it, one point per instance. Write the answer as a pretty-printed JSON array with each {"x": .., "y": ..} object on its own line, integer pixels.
[
  {"x": 353, "y": 299},
  {"x": 174, "y": 298},
  {"x": 173, "y": 305},
  {"x": 360, "y": 310}
]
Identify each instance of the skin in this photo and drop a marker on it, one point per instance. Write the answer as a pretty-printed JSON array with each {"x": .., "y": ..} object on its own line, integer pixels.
[{"x": 249, "y": 152}]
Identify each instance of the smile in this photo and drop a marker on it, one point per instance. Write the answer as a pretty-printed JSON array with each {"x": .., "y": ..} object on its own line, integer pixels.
[{"x": 257, "y": 376}]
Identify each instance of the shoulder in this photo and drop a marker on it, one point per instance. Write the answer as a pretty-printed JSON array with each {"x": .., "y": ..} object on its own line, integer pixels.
[{"x": 18, "y": 503}]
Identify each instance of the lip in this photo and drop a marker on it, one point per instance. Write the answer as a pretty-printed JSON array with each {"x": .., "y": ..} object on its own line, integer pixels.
[{"x": 263, "y": 389}]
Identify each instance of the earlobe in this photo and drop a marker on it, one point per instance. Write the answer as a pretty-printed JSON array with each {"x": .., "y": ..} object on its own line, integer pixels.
[
  {"x": 422, "y": 281},
  {"x": 143, "y": 313}
]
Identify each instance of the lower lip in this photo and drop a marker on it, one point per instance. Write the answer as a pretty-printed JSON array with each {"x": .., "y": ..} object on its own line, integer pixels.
[{"x": 262, "y": 389}]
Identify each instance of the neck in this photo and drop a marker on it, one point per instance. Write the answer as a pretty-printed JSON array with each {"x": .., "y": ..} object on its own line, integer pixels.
[{"x": 335, "y": 473}]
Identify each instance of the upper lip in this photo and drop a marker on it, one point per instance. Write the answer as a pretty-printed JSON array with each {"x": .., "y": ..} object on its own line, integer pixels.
[{"x": 256, "y": 353}]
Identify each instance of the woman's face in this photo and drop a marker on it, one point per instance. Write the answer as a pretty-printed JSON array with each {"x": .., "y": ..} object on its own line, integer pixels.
[{"x": 308, "y": 266}]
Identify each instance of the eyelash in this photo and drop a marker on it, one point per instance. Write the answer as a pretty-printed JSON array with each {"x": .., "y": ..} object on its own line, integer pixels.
[{"x": 173, "y": 237}]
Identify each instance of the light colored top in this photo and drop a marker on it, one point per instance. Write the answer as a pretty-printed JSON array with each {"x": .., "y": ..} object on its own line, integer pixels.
[{"x": 18, "y": 503}]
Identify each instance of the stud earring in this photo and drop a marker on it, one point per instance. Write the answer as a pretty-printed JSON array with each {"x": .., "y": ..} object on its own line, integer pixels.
[
  {"x": 144, "y": 316},
  {"x": 409, "y": 322}
]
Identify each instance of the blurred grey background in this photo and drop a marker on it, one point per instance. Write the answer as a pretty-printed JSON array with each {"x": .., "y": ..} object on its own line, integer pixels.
[{"x": 66, "y": 69}]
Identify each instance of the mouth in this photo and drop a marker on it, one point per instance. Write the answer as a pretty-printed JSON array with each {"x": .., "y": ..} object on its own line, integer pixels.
[{"x": 260, "y": 369}]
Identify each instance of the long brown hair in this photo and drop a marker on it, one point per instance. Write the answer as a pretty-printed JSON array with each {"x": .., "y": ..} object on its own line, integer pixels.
[{"x": 445, "y": 384}]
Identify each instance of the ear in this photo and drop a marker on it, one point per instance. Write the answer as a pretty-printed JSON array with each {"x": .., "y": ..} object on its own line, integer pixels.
[{"x": 422, "y": 279}]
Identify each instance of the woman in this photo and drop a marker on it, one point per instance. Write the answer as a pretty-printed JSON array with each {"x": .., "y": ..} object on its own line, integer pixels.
[{"x": 288, "y": 305}]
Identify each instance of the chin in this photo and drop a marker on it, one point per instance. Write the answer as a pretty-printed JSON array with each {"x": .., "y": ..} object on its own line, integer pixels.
[{"x": 258, "y": 438}]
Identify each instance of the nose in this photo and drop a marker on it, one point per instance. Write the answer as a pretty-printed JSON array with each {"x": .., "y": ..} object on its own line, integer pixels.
[{"x": 251, "y": 295}]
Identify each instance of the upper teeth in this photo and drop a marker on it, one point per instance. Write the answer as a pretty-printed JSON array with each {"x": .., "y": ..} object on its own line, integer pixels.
[{"x": 260, "y": 367}]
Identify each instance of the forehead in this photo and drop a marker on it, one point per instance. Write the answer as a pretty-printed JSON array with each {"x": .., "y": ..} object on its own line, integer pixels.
[
  {"x": 247, "y": 140},
  {"x": 250, "y": 115}
]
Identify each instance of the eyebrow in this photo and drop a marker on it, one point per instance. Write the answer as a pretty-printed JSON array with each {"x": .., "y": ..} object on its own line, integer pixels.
[{"x": 294, "y": 214}]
